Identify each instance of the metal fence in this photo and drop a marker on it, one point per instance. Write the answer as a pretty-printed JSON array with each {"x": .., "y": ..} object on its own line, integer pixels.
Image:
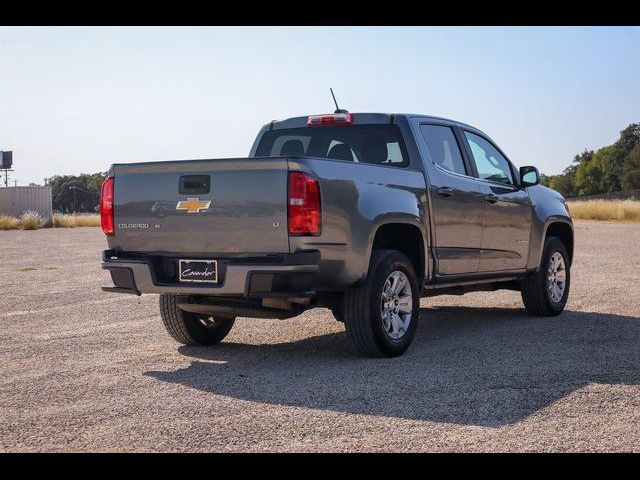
[{"x": 15, "y": 201}]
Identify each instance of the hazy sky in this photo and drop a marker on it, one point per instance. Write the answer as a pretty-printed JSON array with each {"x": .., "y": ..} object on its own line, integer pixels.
[{"x": 75, "y": 100}]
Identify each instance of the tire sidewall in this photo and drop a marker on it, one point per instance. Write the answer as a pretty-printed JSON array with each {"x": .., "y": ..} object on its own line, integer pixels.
[
  {"x": 552, "y": 246},
  {"x": 393, "y": 262}
]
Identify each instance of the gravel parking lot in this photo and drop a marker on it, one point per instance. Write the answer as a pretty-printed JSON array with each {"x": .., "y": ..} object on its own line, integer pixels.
[{"x": 82, "y": 370}]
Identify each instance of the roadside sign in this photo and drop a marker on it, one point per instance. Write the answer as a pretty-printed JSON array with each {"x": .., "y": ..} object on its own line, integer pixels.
[{"x": 6, "y": 160}]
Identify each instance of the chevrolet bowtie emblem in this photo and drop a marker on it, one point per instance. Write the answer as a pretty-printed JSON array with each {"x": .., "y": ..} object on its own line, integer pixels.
[{"x": 193, "y": 205}]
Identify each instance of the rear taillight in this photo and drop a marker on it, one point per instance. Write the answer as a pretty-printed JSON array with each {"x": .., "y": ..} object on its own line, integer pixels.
[
  {"x": 333, "y": 119},
  {"x": 303, "y": 204},
  {"x": 106, "y": 206}
]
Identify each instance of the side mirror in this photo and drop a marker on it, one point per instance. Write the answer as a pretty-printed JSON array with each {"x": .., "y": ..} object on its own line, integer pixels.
[{"x": 529, "y": 176}]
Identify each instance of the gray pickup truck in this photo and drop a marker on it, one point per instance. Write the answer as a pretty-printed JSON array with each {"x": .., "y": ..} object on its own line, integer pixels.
[{"x": 360, "y": 213}]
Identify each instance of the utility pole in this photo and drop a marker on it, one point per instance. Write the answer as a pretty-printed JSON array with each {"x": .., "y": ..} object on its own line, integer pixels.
[{"x": 76, "y": 188}]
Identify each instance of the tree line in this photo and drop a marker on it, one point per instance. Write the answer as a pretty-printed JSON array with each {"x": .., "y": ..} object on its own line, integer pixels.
[
  {"x": 76, "y": 193},
  {"x": 609, "y": 169}
]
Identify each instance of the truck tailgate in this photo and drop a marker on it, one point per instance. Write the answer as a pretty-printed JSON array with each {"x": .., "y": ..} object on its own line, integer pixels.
[{"x": 244, "y": 210}]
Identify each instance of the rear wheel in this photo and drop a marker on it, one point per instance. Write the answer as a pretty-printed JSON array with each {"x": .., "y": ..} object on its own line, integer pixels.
[
  {"x": 191, "y": 328},
  {"x": 338, "y": 314},
  {"x": 546, "y": 291},
  {"x": 381, "y": 314}
]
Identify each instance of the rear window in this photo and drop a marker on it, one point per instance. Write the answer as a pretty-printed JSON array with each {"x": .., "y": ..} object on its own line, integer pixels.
[{"x": 373, "y": 144}]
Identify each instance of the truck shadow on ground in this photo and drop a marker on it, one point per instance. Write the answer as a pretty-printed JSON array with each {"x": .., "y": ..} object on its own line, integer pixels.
[{"x": 470, "y": 366}]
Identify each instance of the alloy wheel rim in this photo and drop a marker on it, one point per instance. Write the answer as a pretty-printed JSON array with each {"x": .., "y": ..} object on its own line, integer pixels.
[
  {"x": 556, "y": 277},
  {"x": 208, "y": 321},
  {"x": 396, "y": 305}
]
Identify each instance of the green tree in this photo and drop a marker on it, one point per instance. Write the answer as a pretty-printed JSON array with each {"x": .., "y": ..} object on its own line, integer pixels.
[
  {"x": 85, "y": 187},
  {"x": 631, "y": 169},
  {"x": 608, "y": 169},
  {"x": 626, "y": 156},
  {"x": 597, "y": 174},
  {"x": 583, "y": 157},
  {"x": 547, "y": 180},
  {"x": 564, "y": 183},
  {"x": 612, "y": 160},
  {"x": 629, "y": 138}
]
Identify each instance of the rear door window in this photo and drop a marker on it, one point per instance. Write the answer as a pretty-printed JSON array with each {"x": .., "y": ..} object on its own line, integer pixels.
[{"x": 443, "y": 148}]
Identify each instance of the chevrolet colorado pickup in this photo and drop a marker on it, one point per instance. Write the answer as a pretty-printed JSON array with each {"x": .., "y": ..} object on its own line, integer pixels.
[{"x": 360, "y": 213}]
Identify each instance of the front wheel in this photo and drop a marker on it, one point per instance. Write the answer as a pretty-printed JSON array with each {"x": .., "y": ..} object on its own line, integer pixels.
[
  {"x": 546, "y": 291},
  {"x": 381, "y": 314},
  {"x": 190, "y": 328}
]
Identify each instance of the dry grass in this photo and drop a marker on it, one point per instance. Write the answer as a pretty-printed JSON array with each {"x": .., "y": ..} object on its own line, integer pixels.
[
  {"x": 619, "y": 210},
  {"x": 9, "y": 223},
  {"x": 73, "y": 221},
  {"x": 33, "y": 221}
]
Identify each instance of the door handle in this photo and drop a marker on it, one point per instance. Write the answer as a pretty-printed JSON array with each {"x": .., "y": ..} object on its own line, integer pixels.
[
  {"x": 491, "y": 198},
  {"x": 445, "y": 191}
]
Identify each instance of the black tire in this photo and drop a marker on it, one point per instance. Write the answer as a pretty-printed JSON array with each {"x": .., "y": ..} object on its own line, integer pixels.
[
  {"x": 338, "y": 314},
  {"x": 362, "y": 310},
  {"x": 190, "y": 328},
  {"x": 535, "y": 294}
]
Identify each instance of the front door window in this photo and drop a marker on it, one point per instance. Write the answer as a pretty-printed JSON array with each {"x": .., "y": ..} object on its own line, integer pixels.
[{"x": 490, "y": 163}]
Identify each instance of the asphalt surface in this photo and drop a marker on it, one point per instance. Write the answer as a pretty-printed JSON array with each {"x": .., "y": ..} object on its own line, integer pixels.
[{"x": 82, "y": 370}]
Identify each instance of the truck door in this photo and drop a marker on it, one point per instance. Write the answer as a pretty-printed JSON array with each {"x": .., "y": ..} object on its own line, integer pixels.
[
  {"x": 456, "y": 201},
  {"x": 507, "y": 215}
]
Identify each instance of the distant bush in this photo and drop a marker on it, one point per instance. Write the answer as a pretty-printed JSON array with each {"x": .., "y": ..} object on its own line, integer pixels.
[
  {"x": 31, "y": 220},
  {"x": 9, "y": 223}
]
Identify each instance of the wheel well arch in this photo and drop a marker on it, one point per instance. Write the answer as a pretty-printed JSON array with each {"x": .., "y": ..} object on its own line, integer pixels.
[
  {"x": 564, "y": 232},
  {"x": 405, "y": 238}
]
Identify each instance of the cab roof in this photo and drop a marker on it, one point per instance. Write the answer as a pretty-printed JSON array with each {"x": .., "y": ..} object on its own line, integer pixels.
[{"x": 366, "y": 118}]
